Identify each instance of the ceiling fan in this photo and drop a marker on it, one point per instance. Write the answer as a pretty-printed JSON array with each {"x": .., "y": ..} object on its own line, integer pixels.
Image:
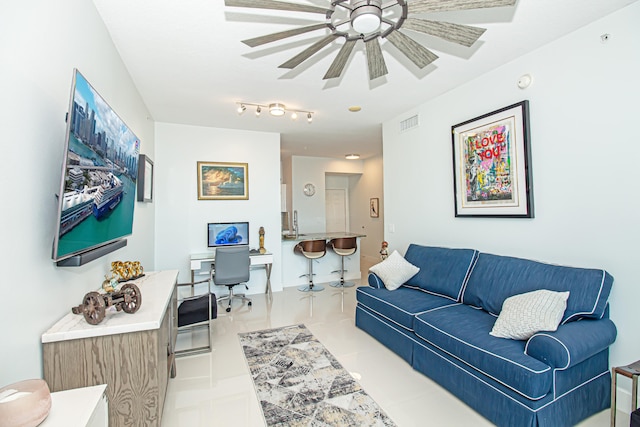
[{"x": 368, "y": 21}]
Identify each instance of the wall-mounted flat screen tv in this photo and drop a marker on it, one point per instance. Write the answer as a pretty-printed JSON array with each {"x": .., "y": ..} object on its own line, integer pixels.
[
  {"x": 227, "y": 234},
  {"x": 99, "y": 171}
]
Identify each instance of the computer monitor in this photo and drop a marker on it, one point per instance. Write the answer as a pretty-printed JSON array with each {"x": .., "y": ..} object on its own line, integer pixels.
[{"x": 227, "y": 234}]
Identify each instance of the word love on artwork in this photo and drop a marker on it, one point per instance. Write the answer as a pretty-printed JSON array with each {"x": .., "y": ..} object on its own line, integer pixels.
[{"x": 489, "y": 147}]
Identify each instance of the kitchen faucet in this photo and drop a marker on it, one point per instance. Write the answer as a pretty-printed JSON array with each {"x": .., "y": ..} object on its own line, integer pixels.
[{"x": 295, "y": 223}]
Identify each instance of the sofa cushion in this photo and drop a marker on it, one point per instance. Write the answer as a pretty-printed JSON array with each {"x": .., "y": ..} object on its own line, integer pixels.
[
  {"x": 394, "y": 271},
  {"x": 443, "y": 271},
  {"x": 399, "y": 306},
  {"x": 495, "y": 278},
  {"x": 525, "y": 314},
  {"x": 463, "y": 332}
]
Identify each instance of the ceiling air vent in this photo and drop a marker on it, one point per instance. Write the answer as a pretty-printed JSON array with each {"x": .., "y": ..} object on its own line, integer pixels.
[{"x": 408, "y": 124}]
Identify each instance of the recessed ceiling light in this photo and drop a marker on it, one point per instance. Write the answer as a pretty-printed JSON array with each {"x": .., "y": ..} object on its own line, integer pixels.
[
  {"x": 355, "y": 108},
  {"x": 352, "y": 156}
]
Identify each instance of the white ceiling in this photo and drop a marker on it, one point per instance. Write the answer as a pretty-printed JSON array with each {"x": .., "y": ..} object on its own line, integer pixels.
[{"x": 188, "y": 62}]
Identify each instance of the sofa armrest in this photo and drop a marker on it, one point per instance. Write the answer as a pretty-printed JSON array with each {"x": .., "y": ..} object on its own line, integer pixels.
[
  {"x": 375, "y": 281},
  {"x": 572, "y": 343}
]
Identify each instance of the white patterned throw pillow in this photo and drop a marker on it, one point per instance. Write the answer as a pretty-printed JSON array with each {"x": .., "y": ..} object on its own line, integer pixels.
[
  {"x": 394, "y": 271},
  {"x": 525, "y": 314}
]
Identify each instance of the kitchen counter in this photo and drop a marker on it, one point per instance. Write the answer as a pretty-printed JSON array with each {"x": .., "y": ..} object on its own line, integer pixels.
[{"x": 319, "y": 236}]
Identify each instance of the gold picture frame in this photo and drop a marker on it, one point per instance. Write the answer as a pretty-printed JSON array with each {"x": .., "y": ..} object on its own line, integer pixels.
[{"x": 223, "y": 181}]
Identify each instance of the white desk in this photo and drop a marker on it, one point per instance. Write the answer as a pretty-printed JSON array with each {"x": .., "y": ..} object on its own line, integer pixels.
[{"x": 257, "y": 260}]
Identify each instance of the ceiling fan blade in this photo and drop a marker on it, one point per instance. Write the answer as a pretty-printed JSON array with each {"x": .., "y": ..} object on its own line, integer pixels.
[
  {"x": 282, "y": 35},
  {"x": 305, "y": 54},
  {"x": 419, "y": 6},
  {"x": 375, "y": 60},
  {"x": 338, "y": 64},
  {"x": 457, "y": 33},
  {"x": 418, "y": 54},
  {"x": 277, "y": 5}
]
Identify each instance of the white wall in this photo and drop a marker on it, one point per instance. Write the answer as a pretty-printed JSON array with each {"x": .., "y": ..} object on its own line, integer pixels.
[
  {"x": 361, "y": 178},
  {"x": 370, "y": 185},
  {"x": 40, "y": 44},
  {"x": 311, "y": 210},
  {"x": 181, "y": 219},
  {"x": 584, "y": 111}
]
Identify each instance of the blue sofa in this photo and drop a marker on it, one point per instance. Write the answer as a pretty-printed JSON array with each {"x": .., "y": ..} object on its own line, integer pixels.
[{"x": 439, "y": 322}]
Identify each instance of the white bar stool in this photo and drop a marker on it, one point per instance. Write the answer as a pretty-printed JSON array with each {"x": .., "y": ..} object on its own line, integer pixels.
[
  {"x": 311, "y": 250},
  {"x": 343, "y": 246}
]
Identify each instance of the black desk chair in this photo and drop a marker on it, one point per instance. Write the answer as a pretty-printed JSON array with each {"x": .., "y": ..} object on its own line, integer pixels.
[
  {"x": 232, "y": 268},
  {"x": 196, "y": 311}
]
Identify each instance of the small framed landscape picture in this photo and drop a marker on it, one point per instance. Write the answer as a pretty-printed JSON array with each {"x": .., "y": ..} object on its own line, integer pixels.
[
  {"x": 223, "y": 181},
  {"x": 492, "y": 164}
]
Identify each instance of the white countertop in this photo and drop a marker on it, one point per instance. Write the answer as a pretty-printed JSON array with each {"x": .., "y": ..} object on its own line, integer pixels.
[{"x": 155, "y": 291}]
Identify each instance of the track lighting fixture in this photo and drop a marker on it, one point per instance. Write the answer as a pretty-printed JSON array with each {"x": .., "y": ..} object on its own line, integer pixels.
[{"x": 275, "y": 109}]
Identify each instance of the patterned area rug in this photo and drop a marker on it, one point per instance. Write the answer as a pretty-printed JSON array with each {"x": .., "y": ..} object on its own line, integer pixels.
[{"x": 299, "y": 383}]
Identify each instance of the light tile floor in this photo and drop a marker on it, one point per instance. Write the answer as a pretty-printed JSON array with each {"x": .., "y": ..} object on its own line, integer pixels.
[{"x": 215, "y": 389}]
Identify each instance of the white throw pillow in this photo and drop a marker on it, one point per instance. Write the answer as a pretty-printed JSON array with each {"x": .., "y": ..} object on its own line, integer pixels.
[
  {"x": 525, "y": 314},
  {"x": 394, "y": 271}
]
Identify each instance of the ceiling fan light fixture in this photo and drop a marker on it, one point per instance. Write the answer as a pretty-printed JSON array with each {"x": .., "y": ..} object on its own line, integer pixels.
[
  {"x": 366, "y": 16},
  {"x": 277, "y": 109}
]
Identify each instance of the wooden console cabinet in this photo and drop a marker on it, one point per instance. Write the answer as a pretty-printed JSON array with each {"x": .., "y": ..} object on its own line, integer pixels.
[{"x": 132, "y": 353}]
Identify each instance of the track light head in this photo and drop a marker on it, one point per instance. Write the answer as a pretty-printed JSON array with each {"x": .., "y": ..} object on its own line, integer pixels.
[
  {"x": 241, "y": 108},
  {"x": 309, "y": 118},
  {"x": 258, "y": 111}
]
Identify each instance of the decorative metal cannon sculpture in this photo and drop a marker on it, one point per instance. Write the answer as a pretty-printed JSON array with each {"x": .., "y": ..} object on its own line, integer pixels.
[{"x": 95, "y": 304}]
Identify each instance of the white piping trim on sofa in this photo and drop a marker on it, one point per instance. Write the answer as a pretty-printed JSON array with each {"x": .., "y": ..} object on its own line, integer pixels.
[
  {"x": 506, "y": 395},
  {"x": 458, "y": 298},
  {"x": 417, "y": 288},
  {"x": 385, "y": 324},
  {"x": 547, "y": 369},
  {"x": 385, "y": 317},
  {"x": 393, "y": 321},
  {"x": 470, "y": 267},
  {"x": 542, "y": 334},
  {"x": 604, "y": 276},
  {"x": 481, "y": 349},
  {"x": 398, "y": 308}
]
